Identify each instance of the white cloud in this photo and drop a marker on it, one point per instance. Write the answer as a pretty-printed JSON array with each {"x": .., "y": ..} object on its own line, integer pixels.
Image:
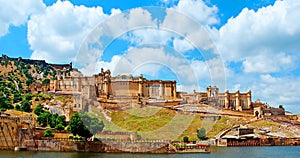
[
  {"x": 148, "y": 36},
  {"x": 16, "y": 12},
  {"x": 112, "y": 28},
  {"x": 264, "y": 64},
  {"x": 56, "y": 34},
  {"x": 265, "y": 42},
  {"x": 211, "y": 72},
  {"x": 278, "y": 90},
  {"x": 188, "y": 19},
  {"x": 182, "y": 45},
  {"x": 257, "y": 37},
  {"x": 124, "y": 22},
  {"x": 197, "y": 34},
  {"x": 198, "y": 10}
]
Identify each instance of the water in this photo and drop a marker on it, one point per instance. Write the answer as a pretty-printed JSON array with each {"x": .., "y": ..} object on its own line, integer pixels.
[{"x": 231, "y": 152}]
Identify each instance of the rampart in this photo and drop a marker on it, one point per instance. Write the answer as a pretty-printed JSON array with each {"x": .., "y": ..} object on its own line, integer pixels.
[{"x": 110, "y": 146}]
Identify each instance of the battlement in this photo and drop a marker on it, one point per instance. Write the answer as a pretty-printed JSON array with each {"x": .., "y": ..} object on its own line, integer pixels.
[
  {"x": 38, "y": 62},
  {"x": 16, "y": 119}
]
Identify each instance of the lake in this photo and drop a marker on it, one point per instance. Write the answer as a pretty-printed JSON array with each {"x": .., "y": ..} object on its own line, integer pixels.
[{"x": 232, "y": 152}]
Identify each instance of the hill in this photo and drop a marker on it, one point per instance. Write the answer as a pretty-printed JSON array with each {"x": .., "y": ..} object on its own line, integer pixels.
[{"x": 19, "y": 77}]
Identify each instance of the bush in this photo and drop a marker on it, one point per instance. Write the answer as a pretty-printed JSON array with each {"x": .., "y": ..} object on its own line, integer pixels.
[
  {"x": 48, "y": 133},
  {"x": 201, "y": 134},
  {"x": 29, "y": 82},
  {"x": 44, "y": 118},
  {"x": 59, "y": 127},
  {"x": 17, "y": 97},
  {"x": 185, "y": 138},
  {"x": 18, "y": 107},
  {"x": 46, "y": 81},
  {"x": 5, "y": 103},
  {"x": 71, "y": 137},
  {"x": 26, "y": 106},
  {"x": 38, "y": 110},
  {"x": 28, "y": 96}
]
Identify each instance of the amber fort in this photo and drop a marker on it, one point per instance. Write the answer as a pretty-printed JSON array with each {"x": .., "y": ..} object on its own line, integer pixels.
[{"x": 109, "y": 91}]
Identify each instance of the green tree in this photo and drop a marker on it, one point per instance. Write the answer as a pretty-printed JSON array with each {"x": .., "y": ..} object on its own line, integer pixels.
[
  {"x": 17, "y": 97},
  {"x": 76, "y": 126},
  {"x": 18, "y": 107},
  {"x": 59, "y": 127},
  {"x": 28, "y": 66},
  {"x": 62, "y": 120},
  {"x": 185, "y": 138},
  {"x": 29, "y": 82},
  {"x": 38, "y": 110},
  {"x": 28, "y": 96},
  {"x": 25, "y": 106},
  {"x": 44, "y": 119},
  {"x": 8, "y": 105},
  {"x": 48, "y": 133},
  {"x": 54, "y": 120},
  {"x": 5, "y": 103},
  {"x": 10, "y": 85},
  {"x": 46, "y": 81},
  {"x": 201, "y": 134},
  {"x": 92, "y": 122}
]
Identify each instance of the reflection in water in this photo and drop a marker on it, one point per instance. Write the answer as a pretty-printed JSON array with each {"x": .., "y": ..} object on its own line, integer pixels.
[{"x": 232, "y": 152}]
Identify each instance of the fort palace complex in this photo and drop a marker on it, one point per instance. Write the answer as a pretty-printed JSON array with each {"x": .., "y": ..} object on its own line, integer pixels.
[
  {"x": 106, "y": 88},
  {"x": 109, "y": 91}
]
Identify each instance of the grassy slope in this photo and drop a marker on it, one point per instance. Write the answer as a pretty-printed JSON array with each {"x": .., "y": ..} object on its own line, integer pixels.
[
  {"x": 134, "y": 121},
  {"x": 161, "y": 123}
]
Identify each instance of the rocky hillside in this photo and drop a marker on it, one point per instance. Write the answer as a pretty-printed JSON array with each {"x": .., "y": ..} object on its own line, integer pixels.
[{"x": 19, "y": 78}]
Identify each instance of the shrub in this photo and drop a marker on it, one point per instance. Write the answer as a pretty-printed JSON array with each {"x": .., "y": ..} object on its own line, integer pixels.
[
  {"x": 48, "y": 133},
  {"x": 46, "y": 81},
  {"x": 59, "y": 127},
  {"x": 38, "y": 110},
  {"x": 26, "y": 106},
  {"x": 18, "y": 107},
  {"x": 201, "y": 134},
  {"x": 185, "y": 138}
]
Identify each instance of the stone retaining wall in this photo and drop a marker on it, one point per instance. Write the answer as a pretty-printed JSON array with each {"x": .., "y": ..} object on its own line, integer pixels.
[{"x": 106, "y": 146}]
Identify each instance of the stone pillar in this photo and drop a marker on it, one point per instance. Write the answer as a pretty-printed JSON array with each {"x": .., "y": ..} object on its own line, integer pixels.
[
  {"x": 58, "y": 75},
  {"x": 237, "y": 101},
  {"x": 249, "y": 101},
  {"x": 64, "y": 74},
  {"x": 174, "y": 90},
  {"x": 106, "y": 86},
  {"x": 227, "y": 99},
  {"x": 161, "y": 90},
  {"x": 141, "y": 85},
  {"x": 79, "y": 86},
  {"x": 54, "y": 84}
]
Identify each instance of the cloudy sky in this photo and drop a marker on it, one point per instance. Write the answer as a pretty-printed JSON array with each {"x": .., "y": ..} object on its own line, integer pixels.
[{"x": 236, "y": 44}]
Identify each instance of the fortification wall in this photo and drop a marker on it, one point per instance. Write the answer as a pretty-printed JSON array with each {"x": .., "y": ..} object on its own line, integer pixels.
[{"x": 155, "y": 146}]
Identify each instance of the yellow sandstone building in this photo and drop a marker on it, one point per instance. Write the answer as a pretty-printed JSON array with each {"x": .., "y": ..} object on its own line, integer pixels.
[
  {"x": 234, "y": 101},
  {"x": 104, "y": 86}
]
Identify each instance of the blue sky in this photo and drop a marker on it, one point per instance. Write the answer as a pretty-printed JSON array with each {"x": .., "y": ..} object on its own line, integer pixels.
[{"x": 237, "y": 44}]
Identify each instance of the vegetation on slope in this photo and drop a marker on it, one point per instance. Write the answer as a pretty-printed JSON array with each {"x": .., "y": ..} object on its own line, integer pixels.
[
  {"x": 138, "y": 123},
  {"x": 223, "y": 124},
  {"x": 15, "y": 78}
]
